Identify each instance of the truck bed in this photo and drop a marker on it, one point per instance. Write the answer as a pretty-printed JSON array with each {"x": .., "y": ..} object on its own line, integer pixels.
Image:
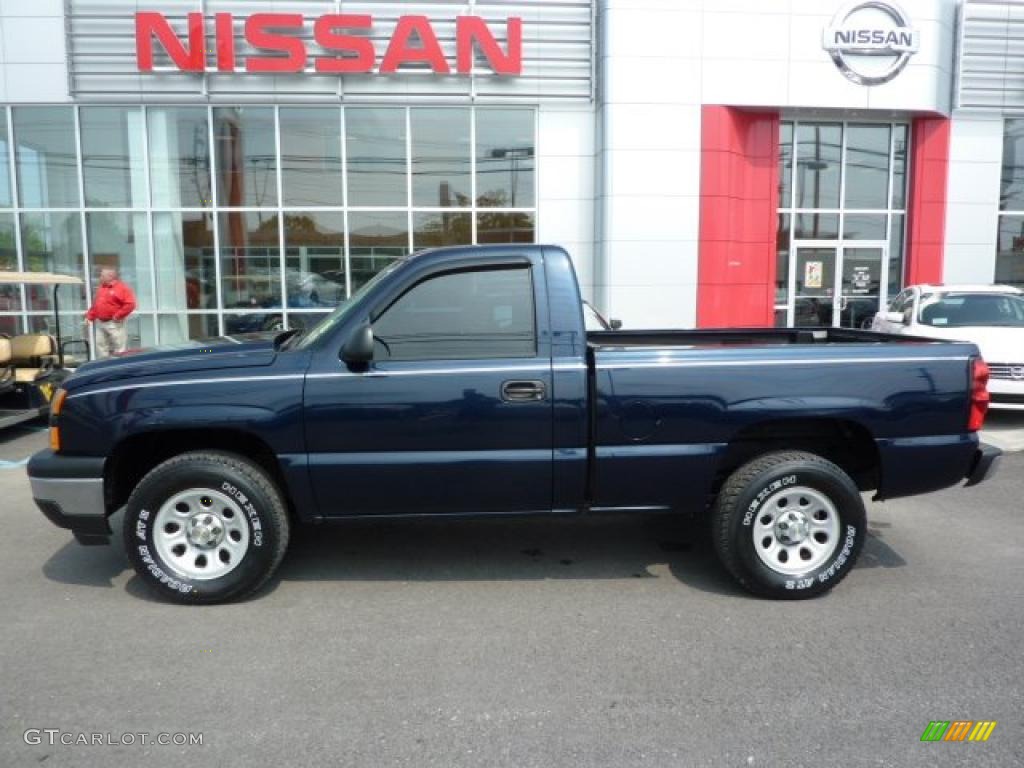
[{"x": 744, "y": 337}]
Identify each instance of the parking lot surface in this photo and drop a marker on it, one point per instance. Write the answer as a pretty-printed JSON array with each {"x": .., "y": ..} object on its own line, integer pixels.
[{"x": 615, "y": 641}]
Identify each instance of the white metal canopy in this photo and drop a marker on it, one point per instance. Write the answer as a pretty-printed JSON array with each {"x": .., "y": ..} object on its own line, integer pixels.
[{"x": 38, "y": 278}]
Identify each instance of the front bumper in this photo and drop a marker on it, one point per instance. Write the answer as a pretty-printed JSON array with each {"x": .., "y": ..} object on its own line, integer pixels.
[
  {"x": 69, "y": 491},
  {"x": 986, "y": 462}
]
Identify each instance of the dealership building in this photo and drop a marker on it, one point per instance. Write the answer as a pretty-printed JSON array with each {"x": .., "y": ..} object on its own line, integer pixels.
[{"x": 247, "y": 165}]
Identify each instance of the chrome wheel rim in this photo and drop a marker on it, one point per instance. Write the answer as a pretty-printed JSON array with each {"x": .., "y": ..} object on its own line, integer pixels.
[
  {"x": 796, "y": 530},
  {"x": 201, "y": 534}
]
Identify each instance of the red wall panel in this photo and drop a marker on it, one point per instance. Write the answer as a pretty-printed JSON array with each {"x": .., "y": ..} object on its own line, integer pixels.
[
  {"x": 738, "y": 217},
  {"x": 926, "y": 207}
]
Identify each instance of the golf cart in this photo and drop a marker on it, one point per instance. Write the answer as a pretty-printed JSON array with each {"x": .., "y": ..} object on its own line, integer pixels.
[{"x": 33, "y": 365}]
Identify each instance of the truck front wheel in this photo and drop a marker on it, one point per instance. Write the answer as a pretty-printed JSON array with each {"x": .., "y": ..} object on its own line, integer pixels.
[
  {"x": 789, "y": 525},
  {"x": 205, "y": 527}
]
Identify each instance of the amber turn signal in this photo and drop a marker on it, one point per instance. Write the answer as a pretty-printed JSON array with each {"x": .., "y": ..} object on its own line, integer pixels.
[
  {"x": 57, "y": 404},
  {"x": 55, "y": 439}
]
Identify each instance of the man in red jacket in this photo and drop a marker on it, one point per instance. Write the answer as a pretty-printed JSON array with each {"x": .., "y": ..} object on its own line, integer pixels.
[{"x": 113, "y": 303}]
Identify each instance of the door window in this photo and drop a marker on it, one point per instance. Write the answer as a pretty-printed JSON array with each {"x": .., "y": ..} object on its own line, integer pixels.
[{"x": 472, "y": 315}]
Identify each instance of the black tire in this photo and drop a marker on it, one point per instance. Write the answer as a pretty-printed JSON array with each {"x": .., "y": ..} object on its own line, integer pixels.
[
  {"x": 263, "y": 520},
  {"x": 744, "y": 502}
]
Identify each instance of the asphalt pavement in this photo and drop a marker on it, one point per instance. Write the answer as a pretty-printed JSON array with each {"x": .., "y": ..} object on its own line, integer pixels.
[{"x": 613, "y": 641}]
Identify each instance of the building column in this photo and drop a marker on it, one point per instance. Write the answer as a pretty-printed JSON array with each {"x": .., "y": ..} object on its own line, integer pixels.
[
  {"x": 926, "y": 208},
  {"x": 738, "y": 217}
]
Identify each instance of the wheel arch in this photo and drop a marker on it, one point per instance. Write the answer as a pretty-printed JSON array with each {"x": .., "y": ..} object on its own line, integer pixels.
[
  {"x": 845, "y": 442},
  {"x": 134, "y": 456}
]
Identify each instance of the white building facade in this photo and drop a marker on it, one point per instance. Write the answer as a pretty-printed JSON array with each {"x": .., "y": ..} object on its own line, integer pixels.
[{"x": 247, "y": 165}]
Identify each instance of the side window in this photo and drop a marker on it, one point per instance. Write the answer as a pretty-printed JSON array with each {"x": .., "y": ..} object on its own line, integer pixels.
[
  {"x": 901, "y": 302},
  {"x": 471, "y": 315}
]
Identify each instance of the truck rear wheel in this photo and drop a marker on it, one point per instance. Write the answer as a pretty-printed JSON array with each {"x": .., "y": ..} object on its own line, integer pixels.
[
  {"x": 205, "y": 527},
  {"x": 789, "y": 525}
]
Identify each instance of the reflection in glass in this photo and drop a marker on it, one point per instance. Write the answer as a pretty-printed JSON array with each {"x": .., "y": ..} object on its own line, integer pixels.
[
  {"x": 896, "y": 255},
  {"x": 375, "y": 240},
  {"x": 175, "y": 329},
  {"x": 314, "y": 259},
  {"x": 862, "y": 282},
  {"x": 864, "y": 226},
  {"x": 815, "y": 271},
  {"x": 375, "y": 147},
  {"x": 431, "y": 230},
  {"x": 440, "y": 158},
  {"x": 10, "y": 325},
  {"x": 186, "y": 275},
  {"x": 246, "y": 157},
  {"x": 1010, "y": 251},
  {"x": 1011, "y": 197},
  {"x": 819, "y": 151},
  {"x": 504, "y": 228},
  {"x": 5, "y": 164},
  {"x": 311, "y": 156},
  {"x": 121, "y": 241},
  {"x": 899, "y": 181},
  {"x": 782, "y": 259},
  {"x": 179, "y": 157},
  {"x": 505, "y": 158},
  {"x": 250, "y": 260},
  {"x": 867, "y": 166},
  {"x": 47, "y": 158},
  {"x": 113, "y": 157},
  {"x": 10, "y": 295},
  {"x": 52, "y": 242},
  {"x": 817, "y": 226},
  {"x": 785, "y": 164}
]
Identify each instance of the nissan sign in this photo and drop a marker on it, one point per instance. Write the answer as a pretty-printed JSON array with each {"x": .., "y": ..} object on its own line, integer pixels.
[
  {"x": 342, "y": 44},
  {"x": 871, "y": 41}
]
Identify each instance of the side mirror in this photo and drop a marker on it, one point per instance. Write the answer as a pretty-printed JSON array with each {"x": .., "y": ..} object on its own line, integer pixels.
[
  {"x": 358, "y": 350},
  {"x": 894, "y": 317},
  {"x": 615, "y": 325}
]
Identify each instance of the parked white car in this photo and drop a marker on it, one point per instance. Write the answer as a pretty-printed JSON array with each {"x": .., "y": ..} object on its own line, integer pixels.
[{"x": 991, "y": 316}]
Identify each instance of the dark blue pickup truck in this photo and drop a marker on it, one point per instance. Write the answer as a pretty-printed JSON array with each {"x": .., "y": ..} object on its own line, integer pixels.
[{"x": 461, "y": 381}]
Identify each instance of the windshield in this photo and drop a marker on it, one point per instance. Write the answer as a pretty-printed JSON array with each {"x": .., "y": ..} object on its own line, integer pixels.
[
  {"x": 338, "y": 316},
  {"x": 959, "y": 310}
]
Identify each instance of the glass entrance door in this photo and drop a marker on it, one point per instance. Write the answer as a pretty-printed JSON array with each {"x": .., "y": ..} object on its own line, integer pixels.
[{"x": 837, "y": 285}]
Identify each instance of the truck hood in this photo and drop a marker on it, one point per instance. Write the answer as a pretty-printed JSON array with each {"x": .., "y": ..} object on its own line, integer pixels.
[
  {"x": 997, "y": 345},
  {"x": 243, "y": 351}
]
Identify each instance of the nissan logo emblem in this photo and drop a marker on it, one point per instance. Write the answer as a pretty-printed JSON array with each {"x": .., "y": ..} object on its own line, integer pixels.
[
  {"x": 870, "y": 41},
  {"x": 1017, "y": 372}
]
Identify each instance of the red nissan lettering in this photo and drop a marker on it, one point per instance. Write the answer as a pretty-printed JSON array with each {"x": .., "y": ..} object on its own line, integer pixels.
[{"x": 256, "y": 32}]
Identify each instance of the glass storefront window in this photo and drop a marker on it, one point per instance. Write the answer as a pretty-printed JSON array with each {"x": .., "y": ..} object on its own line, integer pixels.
[
  {"x": 505, "y": 158},
  {"x": 186, "y": 276},
  {"x": 375, "y": 240},
  {"x": 785, "y": 164},
  {"x": 818, "y": 165},
  {"x": 314, "y": 259},
  {"x": 10, "y": 325},
  {"x": 113, "y": 157},
  {"x": 864, "y": 226},
  {"x": 899, "y": 181},
  {"x": 166, "y": 186},
  {"x": 782, "y": 259},
  {"x": 376, "y": 157},
  {"x": 175, "y": 329},
  {"x": 47, "y": 158},
  {"x": 311, "y": 156},
  {"x": 441, "y": 158},
  {"x": 10, "y": 295},
  {"x": 250, "y": 260},
  {"x": 6, "y": 199},
  {"x": 52, "y": 242},
  {"x": 1010, "y": 251},
  {"x": 121, "y": 241},
  {"x": 179, "y": 156},
  {"x": 896, "y": 255},
  {"x": 817, "y": 226},
  {"x": 867, "y": 166},
  {"x": 504, "y": 228},
  {"x": 432, "y": 230},
  {"x": 246, "y": 157}
]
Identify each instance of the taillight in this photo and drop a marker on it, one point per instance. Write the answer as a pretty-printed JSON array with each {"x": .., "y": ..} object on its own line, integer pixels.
[{"x": 979, "y": 394}]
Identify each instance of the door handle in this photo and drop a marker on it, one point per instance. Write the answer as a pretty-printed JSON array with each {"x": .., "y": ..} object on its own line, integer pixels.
[{"x": 519, "y": 391}]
